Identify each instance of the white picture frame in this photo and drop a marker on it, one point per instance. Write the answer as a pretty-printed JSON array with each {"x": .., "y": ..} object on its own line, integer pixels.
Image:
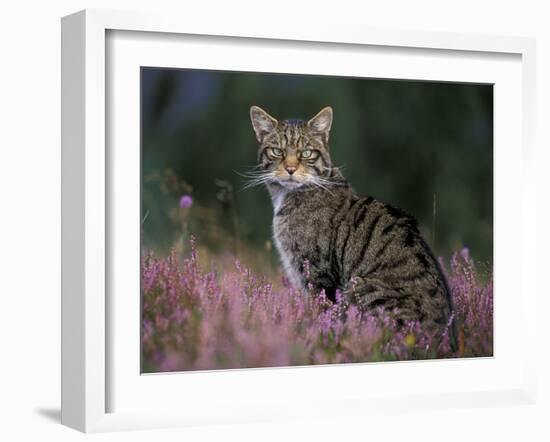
[{"x": 87, "y": 356}]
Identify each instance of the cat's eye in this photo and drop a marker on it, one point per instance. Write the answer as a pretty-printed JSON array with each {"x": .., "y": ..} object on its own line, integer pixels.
[
  {"x": 276, "y": 152},
  {"x": 306, "y": 153}
]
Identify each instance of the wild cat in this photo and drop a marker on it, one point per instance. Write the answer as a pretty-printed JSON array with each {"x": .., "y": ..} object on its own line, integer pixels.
[{"x": 370, "y": 251}]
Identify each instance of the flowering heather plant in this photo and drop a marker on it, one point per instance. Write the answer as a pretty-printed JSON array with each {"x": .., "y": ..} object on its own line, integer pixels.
[
  {"x": 195, "y": 319},
  {"x": 186, "y": 201}
]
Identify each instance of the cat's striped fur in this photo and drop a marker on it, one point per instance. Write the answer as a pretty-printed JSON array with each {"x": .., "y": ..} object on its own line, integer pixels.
[{"x": 369, "y": 250}]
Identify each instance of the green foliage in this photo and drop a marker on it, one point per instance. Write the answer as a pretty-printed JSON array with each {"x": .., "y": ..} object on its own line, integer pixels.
[{"x": 400, "y": 141}]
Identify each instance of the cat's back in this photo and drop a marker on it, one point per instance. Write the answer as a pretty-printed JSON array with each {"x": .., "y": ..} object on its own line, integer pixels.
[
  {"x": 356, "y": 226},
  {"x": 363, "y": 231},
  {"x": 380, "y": 240},
  {"x": 366, "y": 229}
]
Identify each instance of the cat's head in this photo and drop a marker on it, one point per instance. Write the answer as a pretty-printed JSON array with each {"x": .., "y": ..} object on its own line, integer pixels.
[{"x": 293, "y": 153}]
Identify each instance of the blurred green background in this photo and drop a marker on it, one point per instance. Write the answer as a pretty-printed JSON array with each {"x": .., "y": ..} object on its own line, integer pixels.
[{"x": 426, "y": 147}]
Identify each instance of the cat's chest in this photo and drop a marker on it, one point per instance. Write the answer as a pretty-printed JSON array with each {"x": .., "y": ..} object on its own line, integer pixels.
[
  {"x": 290, "y": 233},
  {"x": 283, "y": 238},
  {"x": 291, "y": 242},
  {"x": 288, "y": 260},
  {"x": 299, "y": 221}
]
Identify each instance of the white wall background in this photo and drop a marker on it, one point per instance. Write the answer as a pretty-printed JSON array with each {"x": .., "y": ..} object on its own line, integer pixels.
[{"x": 30, "y": 215}]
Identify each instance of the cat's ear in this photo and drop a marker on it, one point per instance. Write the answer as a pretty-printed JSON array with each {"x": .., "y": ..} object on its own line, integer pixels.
[
  {"x": 321, "y": 122},
  {"x": 262, "y": 122}
]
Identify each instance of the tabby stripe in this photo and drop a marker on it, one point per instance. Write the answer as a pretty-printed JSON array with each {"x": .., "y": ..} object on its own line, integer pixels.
[
  {"x": 382, "y": 249},
  {"x": 385, "y": 231},
  {"x": 408, "y": 278},
  {"x": 366, "y": 242},
  {"x": 344, "y": 248},
  {"x": 388, "y": 228},
  {"x": 261, "y": 156},
  {"x": 423, "y": 260},
  {"x": 360, "y": 215},
  {"x": 408, "y": 241},
  {"x": 348, "y": 234},
  {"x": 332, "y": 244},
  {"x": 333, "y": 271},
  {"x": 374, "y": 268},
  {"x": 394, "y": 265},
  {"x": 323, "y": 159}
]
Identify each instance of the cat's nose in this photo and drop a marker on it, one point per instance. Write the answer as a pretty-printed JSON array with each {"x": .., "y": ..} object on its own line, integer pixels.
[{"x": 290, "y": 169}]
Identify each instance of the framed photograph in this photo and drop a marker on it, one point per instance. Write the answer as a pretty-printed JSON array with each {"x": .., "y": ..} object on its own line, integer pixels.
[{"x": 275, "y": 222}]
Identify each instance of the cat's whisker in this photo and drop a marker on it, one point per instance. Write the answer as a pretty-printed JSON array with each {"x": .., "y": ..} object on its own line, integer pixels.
[
  {"x": 331, "y": 168},
  {"x": 251, "y": 172},
  {"x": 324, "y": 180},
  {"x": 253, "y": 166},
  {"x": 255, "y": 182},
  {"x": 322, "y": 184},
  {"x": 259, "y": 180},
  {"x": 250, "y": 175}
]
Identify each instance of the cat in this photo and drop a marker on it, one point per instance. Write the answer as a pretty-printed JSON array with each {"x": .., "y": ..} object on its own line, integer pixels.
[{"x": 370, "y": 251}]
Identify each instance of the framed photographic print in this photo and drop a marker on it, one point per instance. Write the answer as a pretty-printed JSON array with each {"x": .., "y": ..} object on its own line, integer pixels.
[{"x": 264, "y": 223}]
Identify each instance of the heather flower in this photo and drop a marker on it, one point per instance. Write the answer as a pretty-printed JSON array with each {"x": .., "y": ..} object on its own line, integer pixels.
[
  {"x": 186, "y": 201},
  {"x": 195, "y": 319}
]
